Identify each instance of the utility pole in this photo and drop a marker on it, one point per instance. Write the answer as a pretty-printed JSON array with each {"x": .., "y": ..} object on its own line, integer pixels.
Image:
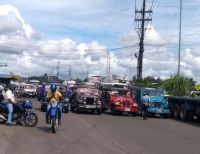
[
  {"x": 180, "y": 31},
  {"x": 109, "y": 68},
  {"x": 58, "y": 69},
  {"x": 143, "y": 19},
  {"x": 70, "y": 72},
  {"x": 130, "y": 74},
  {"x": 87, "y": 72}
]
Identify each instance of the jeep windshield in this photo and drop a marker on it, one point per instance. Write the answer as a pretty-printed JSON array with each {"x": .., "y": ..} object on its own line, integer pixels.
[
  {"x": 119, "y": 92},
  {"x": 87, "y": 91},
  {"x": 29, "y": 87},
  {"x": 154, "y": 92}
]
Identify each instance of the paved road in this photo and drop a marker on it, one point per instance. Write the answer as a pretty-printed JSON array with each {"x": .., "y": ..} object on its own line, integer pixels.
[{"x": 104, "y": 134}]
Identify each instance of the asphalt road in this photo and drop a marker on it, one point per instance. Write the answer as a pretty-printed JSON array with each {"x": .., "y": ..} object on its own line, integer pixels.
[{"x": 102, "y": 134}]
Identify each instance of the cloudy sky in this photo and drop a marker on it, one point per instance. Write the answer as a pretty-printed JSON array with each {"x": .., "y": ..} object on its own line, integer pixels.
[{"x": 35, "y": 35}]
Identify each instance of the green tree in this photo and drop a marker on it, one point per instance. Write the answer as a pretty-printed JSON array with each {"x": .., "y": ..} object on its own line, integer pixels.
[
  {"x": 178, "y": 85},
  {"x": 149, "y": 81}
]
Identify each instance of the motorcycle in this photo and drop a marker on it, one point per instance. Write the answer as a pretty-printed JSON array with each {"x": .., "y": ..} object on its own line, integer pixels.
[
  {"x": 53, "y": 116},
  {"x": 22, "y": 113},
  {"x": 65, "y": 105}
]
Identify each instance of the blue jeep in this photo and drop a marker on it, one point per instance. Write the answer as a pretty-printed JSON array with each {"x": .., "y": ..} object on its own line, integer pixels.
[{"x": 157, "y": 104}]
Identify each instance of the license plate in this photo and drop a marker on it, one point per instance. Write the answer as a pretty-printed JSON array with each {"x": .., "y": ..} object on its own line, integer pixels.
[
  {"x": 159, "y": 110},
  {"x": 90, "y": 106},
  {"x": 127, "y": 109}
]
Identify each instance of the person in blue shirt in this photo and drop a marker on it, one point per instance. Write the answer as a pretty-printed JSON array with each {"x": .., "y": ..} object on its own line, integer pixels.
[
  {"x": 42, "y": 93},
  {"x": 145, "y": 104}
]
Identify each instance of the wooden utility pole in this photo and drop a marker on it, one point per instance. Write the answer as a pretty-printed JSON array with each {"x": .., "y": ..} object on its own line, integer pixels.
[{"x": 143, "y": 19}]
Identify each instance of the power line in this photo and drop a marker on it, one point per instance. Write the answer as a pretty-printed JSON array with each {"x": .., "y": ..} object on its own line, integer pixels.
[{"x": 143, "y": 18}]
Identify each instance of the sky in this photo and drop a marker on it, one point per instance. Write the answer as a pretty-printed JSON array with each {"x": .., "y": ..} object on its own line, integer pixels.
[{"x": 36, "y": 36}]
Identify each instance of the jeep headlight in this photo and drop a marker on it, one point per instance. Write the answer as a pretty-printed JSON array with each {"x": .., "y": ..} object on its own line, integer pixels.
[
  {"x": 67, "y": 99},
  {"x": 117, "y": 103}
]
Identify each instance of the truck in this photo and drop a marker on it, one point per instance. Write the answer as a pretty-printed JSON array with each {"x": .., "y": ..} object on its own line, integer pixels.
[
  {"x": 185, "y": 108},
  {"x": 157, "y": 105},
  {"x": 26, "y": 90},
  {"x": 117, "y": 98}
]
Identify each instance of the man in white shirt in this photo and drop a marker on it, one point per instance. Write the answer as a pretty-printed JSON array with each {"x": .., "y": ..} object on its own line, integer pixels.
[{"x": 9, "y": 100}]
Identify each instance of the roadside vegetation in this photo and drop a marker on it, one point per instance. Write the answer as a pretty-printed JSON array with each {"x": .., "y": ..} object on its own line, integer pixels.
[{"x": 176, "y": 85}]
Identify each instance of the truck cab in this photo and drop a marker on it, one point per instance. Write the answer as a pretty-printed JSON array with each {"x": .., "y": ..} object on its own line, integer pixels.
[{"x": 157, "y": 105}]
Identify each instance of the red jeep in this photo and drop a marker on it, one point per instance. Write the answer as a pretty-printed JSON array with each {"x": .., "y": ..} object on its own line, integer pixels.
[{"x": 118, "y": 100}]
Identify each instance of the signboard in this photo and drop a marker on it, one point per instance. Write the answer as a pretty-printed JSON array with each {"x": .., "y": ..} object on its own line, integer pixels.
[
  {"x": 3, "y": 65},
  {"x": 95, "y": 79},
  {"x": 87, "y": 91}
]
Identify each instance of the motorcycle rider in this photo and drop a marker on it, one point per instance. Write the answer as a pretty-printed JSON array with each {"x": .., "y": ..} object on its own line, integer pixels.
[
  {"x": 9, "y": 99},
  {"x": 53, "y": 95},
  {"x": 42, "y": 93}
]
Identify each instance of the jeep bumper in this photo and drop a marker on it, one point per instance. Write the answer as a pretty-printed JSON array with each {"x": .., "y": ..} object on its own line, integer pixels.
[
  {"x": 85, "y": 106},
  {"x": 126, "y": 109}
]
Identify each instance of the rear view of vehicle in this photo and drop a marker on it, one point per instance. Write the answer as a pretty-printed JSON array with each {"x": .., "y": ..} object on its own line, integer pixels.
[
  {"x": 53, "y": 116},
  {"x": 65, "y": 103}
]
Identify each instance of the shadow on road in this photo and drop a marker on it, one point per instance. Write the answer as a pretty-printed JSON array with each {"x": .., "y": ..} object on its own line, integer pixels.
[
  {"x": 121, "y": 114},
  {"x": 45, "y": 129},
  {"x": 194, "y": 122}
]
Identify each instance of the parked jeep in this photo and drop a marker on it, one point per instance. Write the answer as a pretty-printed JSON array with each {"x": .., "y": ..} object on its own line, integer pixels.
[
  {"x": 157, "y": 105},
  {"x": 116, "y": 98},
  {"x": 86, "y": 98}
]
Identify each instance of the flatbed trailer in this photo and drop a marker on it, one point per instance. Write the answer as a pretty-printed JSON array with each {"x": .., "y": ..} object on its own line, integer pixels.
[{"x": 184, "y": 108}]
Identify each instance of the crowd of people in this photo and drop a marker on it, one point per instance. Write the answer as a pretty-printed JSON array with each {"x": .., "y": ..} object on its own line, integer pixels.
[{"x": 50, "y": 95}]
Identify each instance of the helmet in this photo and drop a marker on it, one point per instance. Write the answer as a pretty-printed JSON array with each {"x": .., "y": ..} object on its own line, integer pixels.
[{"x": 53, "y": 88}]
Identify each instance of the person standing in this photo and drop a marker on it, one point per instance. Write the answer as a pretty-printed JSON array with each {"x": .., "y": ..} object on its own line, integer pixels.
[
  {"x": 9, "y": 100},
  {"x": 145, "y": 105}
]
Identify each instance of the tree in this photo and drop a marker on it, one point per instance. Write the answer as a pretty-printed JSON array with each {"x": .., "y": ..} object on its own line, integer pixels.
[
  {"x": 178, "y": 85},
  {"x": 197, "y": 87},
  {"x": 149, "y": 81}
]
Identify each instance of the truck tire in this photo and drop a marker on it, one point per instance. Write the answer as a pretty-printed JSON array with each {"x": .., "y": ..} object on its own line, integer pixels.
[
  {"x": 183, "y": 113},
  {"x": 113, "y": 112},
  {"x": 165, "y": 116},
  {"x": 198, "y": 117},
  {"x": 72, "y": 108},
  {"x": 103, "y": 110},
  {"x": 99, "y": 111},
  {"x": 177, "y": 112},
  {"x": 78, "y": 110},
  {"x": 190, "y": 115},
  {"x": 171, "y": 107}
]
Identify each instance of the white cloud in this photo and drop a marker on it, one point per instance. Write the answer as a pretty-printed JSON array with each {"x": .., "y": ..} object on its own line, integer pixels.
[
  {"x": 13, "y": 21},
  {"x": 27, "y": 54}
]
